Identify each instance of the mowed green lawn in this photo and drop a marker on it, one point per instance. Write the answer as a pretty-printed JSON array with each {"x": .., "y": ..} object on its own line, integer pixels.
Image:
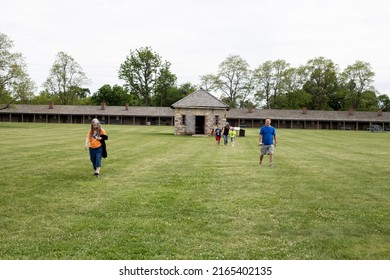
[{"x": 162, "y": 196}]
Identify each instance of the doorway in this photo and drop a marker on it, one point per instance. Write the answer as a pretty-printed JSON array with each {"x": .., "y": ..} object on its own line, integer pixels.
[{"x": 199, "y": 124}]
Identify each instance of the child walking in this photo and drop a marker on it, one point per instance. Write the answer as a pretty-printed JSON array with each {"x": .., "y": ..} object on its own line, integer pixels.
[
  {"x": 232, "y": 134},
  {"x": 218, "y": 133}
]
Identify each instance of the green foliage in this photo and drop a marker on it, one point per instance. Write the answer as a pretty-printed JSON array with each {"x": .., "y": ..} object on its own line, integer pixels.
[
  {"x": 45, "y": 97},
  {"x": 297, "y": 100},
  {"x": 162, "y": 196},
  {"x": 273, "y": 78},
  {"x": 263, "y": 78},
  {"x": 357, "y": 79},
  {"x": 173, "y": 94},
  {"x": 112, "y": 96},
  {"x": 321, "y": 82},
  {"x": 164, "y": 84},
  {"x": 368, "y": 101},
  {"x": 233, "y": 81},
  {"x": 384, "y": 102},
  {"x": 66, "y": 80},
  {"x": 15, "y": 83},
  {"x": 5, "y": 98},
  {"x": 146, "y": 75}
]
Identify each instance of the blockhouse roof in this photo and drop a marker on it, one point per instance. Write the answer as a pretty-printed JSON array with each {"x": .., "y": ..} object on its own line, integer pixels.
[{"x": 200, "y": 99}]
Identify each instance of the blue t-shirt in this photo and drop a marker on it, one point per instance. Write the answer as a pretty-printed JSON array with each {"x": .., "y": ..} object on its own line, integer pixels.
[
  {"x": 218, "y": 131},
  {"x": 268, "y": 133}
]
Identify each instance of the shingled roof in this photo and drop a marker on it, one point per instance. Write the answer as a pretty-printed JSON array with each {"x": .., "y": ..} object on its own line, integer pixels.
[
  {"x": 90, "y": 110},
  {"x": 200, "y": 99},
  {"x": 309, "y": 115}
]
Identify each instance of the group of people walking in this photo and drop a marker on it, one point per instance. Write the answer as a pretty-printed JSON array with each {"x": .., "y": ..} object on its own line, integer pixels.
[
  {"x": 267, "y": 139},
  {"x": 226, "y": 132},
  {"x": 96, "y": 137}
]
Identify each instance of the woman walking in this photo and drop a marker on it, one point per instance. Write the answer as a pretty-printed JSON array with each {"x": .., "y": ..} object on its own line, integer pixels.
[{"x": 95, "y": 140}]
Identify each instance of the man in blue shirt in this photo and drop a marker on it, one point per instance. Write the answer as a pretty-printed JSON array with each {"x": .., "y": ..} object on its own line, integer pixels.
[{"x": 267, "y": 141}]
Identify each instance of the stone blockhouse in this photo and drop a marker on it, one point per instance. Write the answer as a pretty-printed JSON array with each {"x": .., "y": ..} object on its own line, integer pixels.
[{"x": 198, "y": 113}]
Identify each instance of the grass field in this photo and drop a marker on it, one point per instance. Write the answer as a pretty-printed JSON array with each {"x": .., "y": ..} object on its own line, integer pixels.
[{"x": 162, "y": 196}]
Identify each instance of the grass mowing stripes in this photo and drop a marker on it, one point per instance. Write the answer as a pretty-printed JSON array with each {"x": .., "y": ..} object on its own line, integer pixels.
[{"x": 162, "y": 196}]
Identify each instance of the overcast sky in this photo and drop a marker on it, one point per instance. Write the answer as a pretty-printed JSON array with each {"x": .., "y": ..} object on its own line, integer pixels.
[{"x": 195, "y": 36}]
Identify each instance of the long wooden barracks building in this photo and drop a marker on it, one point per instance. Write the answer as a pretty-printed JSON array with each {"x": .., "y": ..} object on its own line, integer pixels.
[{"x": 197, "y": 113}]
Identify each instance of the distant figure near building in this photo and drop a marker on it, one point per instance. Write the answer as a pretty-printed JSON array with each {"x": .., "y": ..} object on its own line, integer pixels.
[{"x": 267, "y": 141}]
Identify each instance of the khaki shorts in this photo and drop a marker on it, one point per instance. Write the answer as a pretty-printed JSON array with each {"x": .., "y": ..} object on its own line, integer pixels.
[{"x": 267, "y": 150}]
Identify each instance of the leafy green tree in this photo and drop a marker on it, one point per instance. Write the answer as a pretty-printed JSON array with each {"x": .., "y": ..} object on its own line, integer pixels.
[
  {"x": 384, "y": 102},
  {"x": 174, "y": 94},
  {"x": 293, "y": 80},
  {"x": 15, "y": 83},
  {"x": 272, "y": 80},
  {"x": 357, "y": 79},
  {"x": 45, "y": 97},
  {"x": 369, "y": 101},
  {"x": 146, "y": 75},
  {"x": 80, "y": 92},
  {"x": 232, "y": 80},
  {"x": 207, "y": 81},
  {"x": 66, "y": 79},
  {"x": 292, "y": 96},
  {"x": 165, "y": 82},
  {"x": 247, "y": 93},
  {"x": 297, "y": 99},
  {"x": 113, "y": 96},
  {"x": 338, "y": 100},
  {"x": 322, "y": 82},
  {"x": 280, "y": 70},
  {"x": 263, "y": 78}
]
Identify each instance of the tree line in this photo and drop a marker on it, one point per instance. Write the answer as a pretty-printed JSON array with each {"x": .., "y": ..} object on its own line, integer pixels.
[
  {"x": 317, "y": 85},
  {"x": 149, "y": 81}
]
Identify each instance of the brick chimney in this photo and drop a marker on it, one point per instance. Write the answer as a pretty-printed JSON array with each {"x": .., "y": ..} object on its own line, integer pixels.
[
  {"x": 350, "y": 111},
  {"x": 250, "y": 109},
  {"x": 380, "y": 113},
  {"x": 51, "y": 105},
  {"x": 127, "y": 106},
  {"x": 103, "y": 106},
  {"x": 304, "y": 110}
]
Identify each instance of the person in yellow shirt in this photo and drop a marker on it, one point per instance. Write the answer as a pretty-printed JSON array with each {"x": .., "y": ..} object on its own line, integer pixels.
[
  {"x": 232, "y": 134},
  {"x": 95, "y": 140}
]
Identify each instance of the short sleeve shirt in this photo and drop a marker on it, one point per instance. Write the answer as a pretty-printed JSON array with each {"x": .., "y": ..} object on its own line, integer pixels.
[
  {"x": 268, "y": 133},
  {"x": 93, "y": 142}
]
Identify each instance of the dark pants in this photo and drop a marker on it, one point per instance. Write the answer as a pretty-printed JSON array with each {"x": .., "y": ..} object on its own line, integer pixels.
[{"x": 96, "y": 157}]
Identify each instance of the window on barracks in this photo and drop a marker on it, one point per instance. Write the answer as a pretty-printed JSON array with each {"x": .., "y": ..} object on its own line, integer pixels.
[
  {"x": 216, "y": 119},
  {"x": 183, "y": 119}
]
